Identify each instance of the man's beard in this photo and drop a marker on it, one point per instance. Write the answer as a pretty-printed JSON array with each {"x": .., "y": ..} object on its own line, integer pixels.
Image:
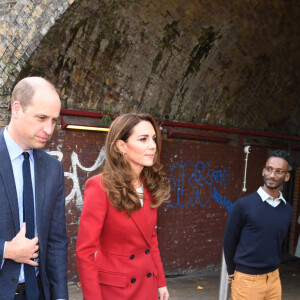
[{"x": 278, "y": 183}]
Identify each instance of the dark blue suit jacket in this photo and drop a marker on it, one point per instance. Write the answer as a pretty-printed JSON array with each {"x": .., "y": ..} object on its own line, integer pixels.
[{"x": 51, "y": 224}]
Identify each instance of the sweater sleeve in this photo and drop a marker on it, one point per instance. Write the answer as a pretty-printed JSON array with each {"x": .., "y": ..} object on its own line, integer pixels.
[
  {"x": 89, "y": 232},
  {"x": 232, "y": 234}
]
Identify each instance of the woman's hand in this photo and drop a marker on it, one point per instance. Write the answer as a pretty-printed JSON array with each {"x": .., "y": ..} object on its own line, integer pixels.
[{"x": 163, "y": 293}]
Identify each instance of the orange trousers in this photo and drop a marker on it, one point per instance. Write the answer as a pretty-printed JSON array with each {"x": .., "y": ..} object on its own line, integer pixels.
[{"x": 256, "y": 287}]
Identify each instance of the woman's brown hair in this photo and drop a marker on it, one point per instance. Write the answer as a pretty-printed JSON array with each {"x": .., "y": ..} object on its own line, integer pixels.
[{"x": 117, "y": 175}]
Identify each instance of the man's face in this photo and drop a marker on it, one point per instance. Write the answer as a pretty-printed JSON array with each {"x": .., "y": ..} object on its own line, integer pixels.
[
  {"x": 34, "y": 125},
  {"x": 271, "y": 173}
]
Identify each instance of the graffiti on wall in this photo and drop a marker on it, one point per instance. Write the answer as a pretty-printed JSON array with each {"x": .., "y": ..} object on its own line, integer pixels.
[
  {"x": 76, "y": 166},
  {"x": 196, "y": 183},
  {"x": 192, "y": 183}
]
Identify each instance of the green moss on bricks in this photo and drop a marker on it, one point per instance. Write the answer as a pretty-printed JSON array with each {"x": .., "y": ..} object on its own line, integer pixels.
[
  {"x": 170, "y": 34},
  {"x": 60, "y": 64},
  {"x": 113, "y": 50},
  {"x": 201, "y": 50},
  {"x": 112, "y": 33},
  {"x": 183, "y": 91},
  {"x": 156, "y": 62},
  {"x": 29, "y": 70},
  {"x": 81, "y": 23},
  {"x": 99, "y": 38}
]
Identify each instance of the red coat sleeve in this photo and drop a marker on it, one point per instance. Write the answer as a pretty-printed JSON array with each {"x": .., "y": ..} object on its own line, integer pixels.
[{"x": 90, "y": 226}]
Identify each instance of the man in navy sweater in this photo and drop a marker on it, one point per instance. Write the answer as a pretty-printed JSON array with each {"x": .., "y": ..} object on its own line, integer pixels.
[{"x": 255, "y": 230}]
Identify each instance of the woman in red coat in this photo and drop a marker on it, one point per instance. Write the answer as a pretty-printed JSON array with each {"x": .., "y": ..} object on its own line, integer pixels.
[{"x": 117, "y": 250}]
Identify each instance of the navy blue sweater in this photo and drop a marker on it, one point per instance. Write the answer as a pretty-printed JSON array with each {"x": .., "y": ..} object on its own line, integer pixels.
[{"x": 254, "y": 234}]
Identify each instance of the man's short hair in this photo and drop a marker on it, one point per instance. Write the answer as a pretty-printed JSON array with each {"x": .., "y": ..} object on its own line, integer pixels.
[
  {"x": 25, "y": 89},
  {"x": 284, "y": 155}
]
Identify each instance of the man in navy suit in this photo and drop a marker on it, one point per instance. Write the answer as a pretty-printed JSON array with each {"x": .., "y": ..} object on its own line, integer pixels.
[{"x": 35, "y": 109}]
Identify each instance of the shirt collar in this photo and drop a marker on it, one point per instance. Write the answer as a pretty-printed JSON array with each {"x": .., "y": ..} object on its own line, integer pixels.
[
  {"x": 14, "y": 150},
  {"x": 265, "y": 196}
]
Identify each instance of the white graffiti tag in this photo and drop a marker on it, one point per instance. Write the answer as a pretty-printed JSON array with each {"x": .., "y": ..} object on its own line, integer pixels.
[{"x": 76, "y": 192}]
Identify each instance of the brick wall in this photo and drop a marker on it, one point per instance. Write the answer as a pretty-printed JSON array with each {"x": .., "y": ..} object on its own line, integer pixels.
[
  {"x": 206, "y": 179},
  {"x": 81, "y": 156},
  {"x": 6, "y": 6}
]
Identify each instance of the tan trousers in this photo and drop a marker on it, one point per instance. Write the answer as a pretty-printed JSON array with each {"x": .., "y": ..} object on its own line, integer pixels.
[{"x": 256, "y": 287}]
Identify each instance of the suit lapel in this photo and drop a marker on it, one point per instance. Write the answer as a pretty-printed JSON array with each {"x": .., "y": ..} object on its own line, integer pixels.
[
  {"x": 40, "y": 182},
  {"x": 7, "y": 176},
  {"x": 142, "y": 218}
]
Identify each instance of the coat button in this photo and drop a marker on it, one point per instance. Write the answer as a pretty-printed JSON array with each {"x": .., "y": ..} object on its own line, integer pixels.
[
  {"x": 147, "y": 251},
  {"x": 15, "y": 280},
  {"x": 132, "y": 256},
  {"x": 149, "y": 275},
  {"x": 133, "y": 280}
]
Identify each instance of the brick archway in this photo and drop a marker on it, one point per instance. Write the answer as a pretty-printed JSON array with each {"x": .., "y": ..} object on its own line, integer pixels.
[{"x": 24, "y": 23}]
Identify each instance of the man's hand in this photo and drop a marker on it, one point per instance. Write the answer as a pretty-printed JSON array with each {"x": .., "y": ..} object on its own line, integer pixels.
[
  {"x": 230, "y": 278},
  {"x": 21, "y": 249},
  {"x": 163, "y": 293}
]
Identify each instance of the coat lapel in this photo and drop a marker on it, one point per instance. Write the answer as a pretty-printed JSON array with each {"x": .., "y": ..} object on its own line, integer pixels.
[
  {"x": 7, "y": 176},
  {"x": 142, "y": 218}
]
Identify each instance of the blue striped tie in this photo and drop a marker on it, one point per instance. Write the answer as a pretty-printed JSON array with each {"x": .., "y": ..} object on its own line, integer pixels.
[{"x": 32, "y": 290}]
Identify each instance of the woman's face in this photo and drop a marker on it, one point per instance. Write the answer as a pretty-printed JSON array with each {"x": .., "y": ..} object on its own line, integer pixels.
[{"x": 140, "y": 147}]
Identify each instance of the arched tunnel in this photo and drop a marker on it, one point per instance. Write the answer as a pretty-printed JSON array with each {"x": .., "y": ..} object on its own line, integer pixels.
[{"x": 217, "y": 75}]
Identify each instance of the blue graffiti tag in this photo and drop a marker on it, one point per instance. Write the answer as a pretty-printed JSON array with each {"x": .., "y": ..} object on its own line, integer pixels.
[
  {"x": 198, "y": 187},
  {"x": 221, "y": 177},
  {"x": 222, "y": 200}
]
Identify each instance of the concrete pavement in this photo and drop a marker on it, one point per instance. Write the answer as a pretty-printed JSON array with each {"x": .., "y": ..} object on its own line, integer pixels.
[{"x": 205, "y": 285}]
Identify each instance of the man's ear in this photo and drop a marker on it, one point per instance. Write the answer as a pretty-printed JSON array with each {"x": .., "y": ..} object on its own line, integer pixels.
[
  {"x": 262, "y": 172},
  {"x": 121, "y": 145},
  {"x": 287, "y": 177},
  {"x": 16, "y": 108}
]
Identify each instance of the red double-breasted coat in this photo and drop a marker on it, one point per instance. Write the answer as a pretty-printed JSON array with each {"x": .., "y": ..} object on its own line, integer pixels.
[{"x": 117, "y": 255}]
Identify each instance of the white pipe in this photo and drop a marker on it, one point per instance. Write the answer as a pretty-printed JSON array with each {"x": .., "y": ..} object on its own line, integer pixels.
[{"x": 247, "y": 150}]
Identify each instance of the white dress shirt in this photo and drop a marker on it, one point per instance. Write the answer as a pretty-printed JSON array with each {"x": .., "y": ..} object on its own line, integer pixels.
[{"x": 269, "y": 199}]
